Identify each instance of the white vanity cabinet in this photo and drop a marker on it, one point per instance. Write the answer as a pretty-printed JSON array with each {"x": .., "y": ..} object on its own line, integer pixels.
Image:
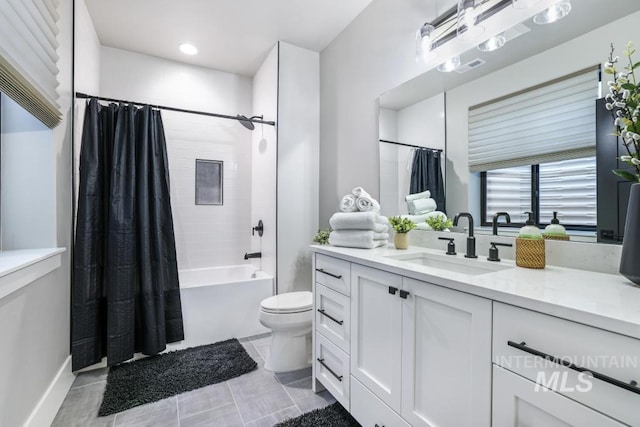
[
  {"x": 446, "y": 353},
  {"x": 546, "y": 354},
  {"x": 423, "y": 350},
  {"x": 376, "y": 332}
]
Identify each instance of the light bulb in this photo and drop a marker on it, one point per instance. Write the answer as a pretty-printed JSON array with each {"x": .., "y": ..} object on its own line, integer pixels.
[
  {"x": 494, "y": 43},
  {"x": 554, "y": 13},
  {"x": 188, "y": 49},
  {"x": 424, "y": 42},
  {"x": 450, "y": 65}
]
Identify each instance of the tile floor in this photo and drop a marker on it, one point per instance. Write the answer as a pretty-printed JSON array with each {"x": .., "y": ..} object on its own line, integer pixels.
[{"x": 259, "y": 398}]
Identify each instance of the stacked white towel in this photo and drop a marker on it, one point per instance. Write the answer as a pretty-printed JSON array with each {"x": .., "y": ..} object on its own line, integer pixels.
[
  {"x": 365, "y": 230},
  {"x": 364, "y": 239},
  {"x": 420, "y": 203},
  {"x": 348, "y": 203},
  {"x": 419, "y": 219}
]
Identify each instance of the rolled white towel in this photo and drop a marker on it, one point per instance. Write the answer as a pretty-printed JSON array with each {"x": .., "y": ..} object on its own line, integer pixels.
[
  {"x": 359, "y": 221},
  {"x": 421, "y": 206},
  {"x": 367, "y": 204},
  {"x": 364, "y": 239},
  {"x": 360, "y": 192},
  {"x": 423, "y": 195},
  {"x": 417, "y": 219},
  {"x": 348, "y": 203}
]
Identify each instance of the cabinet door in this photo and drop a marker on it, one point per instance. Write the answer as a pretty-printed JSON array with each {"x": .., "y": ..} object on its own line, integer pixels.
[
  {"x": 518, "y": 402},
  {"x": 446, "y": 357},
  {"x": 376, "y": 332}
]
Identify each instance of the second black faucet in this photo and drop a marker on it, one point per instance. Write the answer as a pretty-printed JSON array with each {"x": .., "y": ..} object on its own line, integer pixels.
[{"x": 471, "y": 241}]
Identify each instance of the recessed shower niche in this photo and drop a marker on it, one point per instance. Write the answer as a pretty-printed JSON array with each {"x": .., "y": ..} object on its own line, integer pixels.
[{"x": 209, "y": 176}]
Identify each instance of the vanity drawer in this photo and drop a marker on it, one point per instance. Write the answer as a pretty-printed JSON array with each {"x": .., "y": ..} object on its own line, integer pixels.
[
  {"x": 333, "y": 273},
  {"x": 525, "y": 342},
  {"x": 331, "y": 368},
  {"x": 518, "y": 403},
  {"x": 333, "y": 316},
  {"x": 370, "y": 411}
]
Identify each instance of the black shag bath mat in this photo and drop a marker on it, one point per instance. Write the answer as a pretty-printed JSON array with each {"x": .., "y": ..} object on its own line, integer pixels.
[
  {"x": 333, "y": 415},
  {"x": 157, "y": 377}
]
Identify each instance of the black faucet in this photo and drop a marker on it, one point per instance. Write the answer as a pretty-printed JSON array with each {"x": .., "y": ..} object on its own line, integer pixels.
[
  {"x": 494, "y": 223},
  {"x": 253, "y": 255},
  {"x": 471, "y": 241}
]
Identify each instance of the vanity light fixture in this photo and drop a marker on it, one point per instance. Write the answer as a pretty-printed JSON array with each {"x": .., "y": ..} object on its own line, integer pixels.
[
  {"x": 524, "y": 4},
  {"x": 424, "y": 41},
  {"x": 468, "y": 18},
  {"x": 188, "y": 49},
  {"x": 493, "y": 43},
  {"x": 450, "y": 65},
  {"x": 554, "y": 13}
]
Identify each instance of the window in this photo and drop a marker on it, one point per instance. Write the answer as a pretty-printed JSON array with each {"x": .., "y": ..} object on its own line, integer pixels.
[{"x": 567, "y": 186}]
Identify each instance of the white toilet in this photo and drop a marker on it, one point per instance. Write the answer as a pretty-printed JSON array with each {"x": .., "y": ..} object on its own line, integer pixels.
[{"x": 289, "y": 317}]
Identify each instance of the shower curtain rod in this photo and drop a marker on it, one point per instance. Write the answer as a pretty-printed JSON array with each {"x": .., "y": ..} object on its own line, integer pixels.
[
  {"x": 80, "y": 95},
  {"x": 409, "y": 145}
]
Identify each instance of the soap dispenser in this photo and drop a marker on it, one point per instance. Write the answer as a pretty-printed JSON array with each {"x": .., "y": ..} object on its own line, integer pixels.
[
  {"x": 530, "y": 250},
  {"x": 530, "y": 231},
  {"x": 555, "y": 231}
]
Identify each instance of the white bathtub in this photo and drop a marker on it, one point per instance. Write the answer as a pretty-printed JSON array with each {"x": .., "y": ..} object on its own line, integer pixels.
[{"x": 219, "y": 303}]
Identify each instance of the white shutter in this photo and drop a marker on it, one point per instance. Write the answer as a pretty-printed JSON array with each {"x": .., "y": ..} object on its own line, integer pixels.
[
  {"x": 548, "y": 123},
  {"x": 569, "y": 187},
  {"x": 509, "y": 190},
  {"x": 28, "y": 57}
]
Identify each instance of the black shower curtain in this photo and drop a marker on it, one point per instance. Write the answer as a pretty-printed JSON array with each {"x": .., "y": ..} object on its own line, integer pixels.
[
  {"x": 426, "y": 174},
  {"x": 125, "y": 291}
]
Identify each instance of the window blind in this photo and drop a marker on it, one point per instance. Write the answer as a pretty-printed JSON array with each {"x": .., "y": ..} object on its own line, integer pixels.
[
  {"x": 547, "y": 123},
  {"x": 28, "y": 57}
]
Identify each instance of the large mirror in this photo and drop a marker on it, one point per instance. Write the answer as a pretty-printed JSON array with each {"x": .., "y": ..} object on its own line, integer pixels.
[{"x": 433, "y": 111}]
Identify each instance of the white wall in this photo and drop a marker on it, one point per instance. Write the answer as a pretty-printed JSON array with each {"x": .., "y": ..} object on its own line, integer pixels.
[
  {"x": 582, "y": 52},
  {"x": 264, "y": 158},
  {"x": 28, "y": 191},
  {"x": 422, "y": 123},
  {"x": 205, "y": 235},
  {"x": 298, "y": 138},
  {"x": 34, "y": 321},
  {"x": 373, "y": 54}
]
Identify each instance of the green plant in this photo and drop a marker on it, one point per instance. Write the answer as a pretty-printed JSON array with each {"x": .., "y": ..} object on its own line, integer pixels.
[
  {"x": 439, "y": 222},
  {"x": 322, "y": 237},
  {"x": 623, "y": 100},
  {"x": 401, "y": 225}
]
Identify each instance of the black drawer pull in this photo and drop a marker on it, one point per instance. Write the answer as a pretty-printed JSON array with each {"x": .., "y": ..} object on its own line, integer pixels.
[
  {"x": 404, "y": 294},
  {"x": 338, "y": 377},
  {"x": 379, "y": 425},
  {"x": 631, "y": 386},
  {"x": 392, "y": 290},
  {"x": 339, "y": 322},
  {"x": 321, "y": 270}
]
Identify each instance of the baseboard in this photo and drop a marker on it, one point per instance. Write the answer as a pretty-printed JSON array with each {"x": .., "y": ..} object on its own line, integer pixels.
[{"x": 47, "y": 408}]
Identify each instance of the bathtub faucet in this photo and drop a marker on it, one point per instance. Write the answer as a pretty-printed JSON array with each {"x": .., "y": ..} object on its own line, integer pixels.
[{"x": 253, "y": 255}]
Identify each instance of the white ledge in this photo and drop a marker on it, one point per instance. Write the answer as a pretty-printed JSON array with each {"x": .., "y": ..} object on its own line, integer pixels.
[{"x": 20, "y": 267}]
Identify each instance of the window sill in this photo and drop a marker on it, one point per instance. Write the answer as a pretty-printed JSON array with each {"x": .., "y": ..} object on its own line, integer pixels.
[
  {"x": 575, "y": 235},
  {"x": 20, "y": 267}
]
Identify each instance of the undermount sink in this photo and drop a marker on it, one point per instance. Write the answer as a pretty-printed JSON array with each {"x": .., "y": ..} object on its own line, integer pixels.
[{"x": 453, "y": 264}]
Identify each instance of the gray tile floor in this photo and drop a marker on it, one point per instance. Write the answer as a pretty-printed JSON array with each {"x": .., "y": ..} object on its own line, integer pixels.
[{"x": 259, "y": 398}]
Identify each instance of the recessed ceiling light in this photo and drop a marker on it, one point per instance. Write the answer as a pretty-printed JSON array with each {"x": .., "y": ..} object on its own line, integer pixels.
[
  {"x": 555, "y": 13},
  {"x": 188, "y": 49},
  {"x": 449, "y": 65}
]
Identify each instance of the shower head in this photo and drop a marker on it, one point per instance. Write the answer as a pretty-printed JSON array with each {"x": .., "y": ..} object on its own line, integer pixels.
[{"x": 246, "y": 122}]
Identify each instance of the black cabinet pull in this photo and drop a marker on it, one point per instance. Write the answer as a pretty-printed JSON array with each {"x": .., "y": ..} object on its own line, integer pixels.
[
  {"x": 631, "y": 386},
  {"x": 339, "y": 322},
  {"x": 404, "y": 294},
  {"x": 379, "y": 425},
  {"x": 392, "y": 290},
  {"x": 328, "y": 274},
  {"x": 338, "y": 377}
]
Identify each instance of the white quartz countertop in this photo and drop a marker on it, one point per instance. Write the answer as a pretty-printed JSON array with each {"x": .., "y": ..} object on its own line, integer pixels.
[{"x": 605, "y": 301}]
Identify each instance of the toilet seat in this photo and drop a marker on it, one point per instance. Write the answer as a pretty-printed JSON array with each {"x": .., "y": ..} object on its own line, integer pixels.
[{"x": 288, "y": 303}]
